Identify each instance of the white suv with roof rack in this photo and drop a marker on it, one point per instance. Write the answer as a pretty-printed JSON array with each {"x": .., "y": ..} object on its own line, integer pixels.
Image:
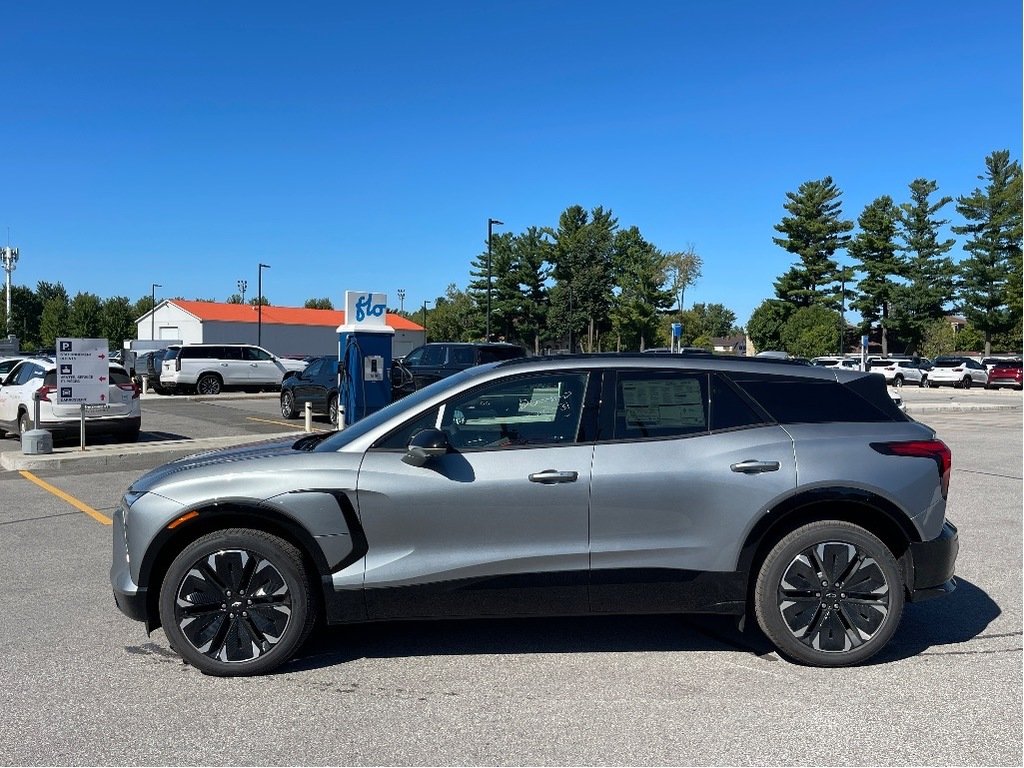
[{"x": 209, "y": 368}]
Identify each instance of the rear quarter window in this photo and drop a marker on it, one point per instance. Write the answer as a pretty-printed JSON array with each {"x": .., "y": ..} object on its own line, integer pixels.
[{"x": 792, "y": 400}]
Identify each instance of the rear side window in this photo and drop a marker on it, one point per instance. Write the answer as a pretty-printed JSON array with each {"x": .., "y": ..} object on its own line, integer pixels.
[
  {"x": 729, "y": 409},
  {"x": 118, "y": 377},
  {"x": 433, "y": 355},
  {"x": 792, "y": 400},
  {"x": 493, "y": 354},
  {"x": 659, "y": 404},
  {"x": 461, "y": 356}
]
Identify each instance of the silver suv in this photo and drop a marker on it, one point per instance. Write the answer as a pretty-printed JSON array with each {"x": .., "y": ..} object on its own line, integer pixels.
[
  {"x": 209, "y": 368},
  {"x": 569, "y": 485}
]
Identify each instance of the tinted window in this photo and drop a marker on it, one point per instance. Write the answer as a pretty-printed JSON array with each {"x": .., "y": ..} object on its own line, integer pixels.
[
  {"x": 659, "y": 404},
  {"x": 729, "y": 410},
  {"x": 947, "y": 362},
  {"x": 118, "y": 377},
  {"x": 1009, "y": 364},
  {"x": 525, "y": 411},
  {"x": 809, "y": 401},
  {"x": 399, "y": 439},
  {"x": 493, "y": 354},
  {"x": 255, "y": 353},
  {"x": 461, "y": 356},
  {"x": 313, "y": 369},
  {"x": 433, "y": 355},
  {"x": 414, "y": 357},
  {"x": 27, "y": 372}
]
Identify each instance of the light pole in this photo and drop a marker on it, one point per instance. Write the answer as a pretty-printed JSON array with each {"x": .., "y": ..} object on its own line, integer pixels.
[
  {"x": 424, "y": 323},
  {"x": 152, "y": 311},
  {"x": 490, "y": 226},
  {"x": 10, "y": 258},
  {"x": 259, "y": 305},
  {"x": 242, "y": 285},
  {"x": 401, "y": 300}
]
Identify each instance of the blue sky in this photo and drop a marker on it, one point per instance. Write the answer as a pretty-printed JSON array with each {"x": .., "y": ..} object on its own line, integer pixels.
[{"x": 364, "y": 145}]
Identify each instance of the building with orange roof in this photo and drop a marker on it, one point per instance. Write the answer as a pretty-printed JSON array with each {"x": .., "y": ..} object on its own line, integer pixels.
[{"x": 285, "y": 331}]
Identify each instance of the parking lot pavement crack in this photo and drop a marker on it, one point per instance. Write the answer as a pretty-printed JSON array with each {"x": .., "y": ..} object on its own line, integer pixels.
[
  {"x": 988, "y": 474},
  {"x": 972, "y": 653},
  {"x": 41, "y": 517}
]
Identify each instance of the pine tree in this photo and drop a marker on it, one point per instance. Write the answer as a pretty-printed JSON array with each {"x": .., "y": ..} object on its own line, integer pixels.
[
  {"x": 639, "y": 273},
  {"x": 814, "y": 232},
  {"x": 994, "y": 245},
  {"x": 874, "y": 246}
]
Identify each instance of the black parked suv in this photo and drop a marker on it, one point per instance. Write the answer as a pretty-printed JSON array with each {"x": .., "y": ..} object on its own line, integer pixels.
[
  {"x": 436, "y": 361},
  {"x": 317, "y": 385}
]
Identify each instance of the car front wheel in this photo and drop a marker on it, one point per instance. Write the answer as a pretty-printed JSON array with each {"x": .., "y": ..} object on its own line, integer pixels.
[
  {"x": 24, "y": 423},
  {"x": 332, "y": 409},
  {"x": 237, "y": 602},
  {"x": 897, "y": 381},
  {"x": 829, "y": 594}
]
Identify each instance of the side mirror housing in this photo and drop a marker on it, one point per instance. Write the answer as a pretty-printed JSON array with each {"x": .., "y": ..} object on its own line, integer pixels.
[{"x": 426, "y": 445}]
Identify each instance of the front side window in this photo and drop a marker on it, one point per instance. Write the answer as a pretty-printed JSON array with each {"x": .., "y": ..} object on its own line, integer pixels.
[
  {"x": 313, "y": 369},
  {"x": 524, "y": 411},
  {"x": 257, "y": 354},
  {"x": 433, "y": 355}
]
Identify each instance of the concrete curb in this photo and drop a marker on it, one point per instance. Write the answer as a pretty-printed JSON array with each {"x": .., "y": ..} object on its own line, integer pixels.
[
  {"x": 956, "y": 407},
  {"x": 141, "y": 456}
]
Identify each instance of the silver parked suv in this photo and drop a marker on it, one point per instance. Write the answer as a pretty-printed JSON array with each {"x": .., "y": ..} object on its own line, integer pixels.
[
  {"x": 209, "y": 368},
  {"x": 567, "y": 485}
]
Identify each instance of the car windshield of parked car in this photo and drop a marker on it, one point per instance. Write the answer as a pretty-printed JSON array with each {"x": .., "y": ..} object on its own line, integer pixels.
[{"x": 411, "y": 402}]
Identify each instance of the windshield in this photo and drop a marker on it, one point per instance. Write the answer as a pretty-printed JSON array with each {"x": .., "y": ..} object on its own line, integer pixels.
[{"x": 340, "y": 439}]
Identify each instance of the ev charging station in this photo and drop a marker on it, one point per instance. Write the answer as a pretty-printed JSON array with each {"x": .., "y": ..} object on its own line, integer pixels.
[{"x": 364, "y": 356}]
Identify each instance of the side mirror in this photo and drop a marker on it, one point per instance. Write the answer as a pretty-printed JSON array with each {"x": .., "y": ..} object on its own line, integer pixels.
[{"x": 425, "y": 445}]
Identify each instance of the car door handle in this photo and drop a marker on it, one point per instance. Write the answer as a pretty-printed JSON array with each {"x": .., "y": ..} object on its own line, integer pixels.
[
  {"x": 752, "y": 466},
  {"x": 551, "y": 476}
]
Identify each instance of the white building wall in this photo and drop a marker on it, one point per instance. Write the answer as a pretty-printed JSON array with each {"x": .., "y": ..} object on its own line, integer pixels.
[{"x": 170, "y": 322}]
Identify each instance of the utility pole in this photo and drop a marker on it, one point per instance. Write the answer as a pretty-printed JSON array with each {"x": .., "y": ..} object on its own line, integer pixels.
[
  {"x": 152, "y": 311},
  {"x": 10, "y": 259},
  {"x": 259, "y": 305},
  {"x": 490, "y": 226},
  {"x": 401, "y": 300}
]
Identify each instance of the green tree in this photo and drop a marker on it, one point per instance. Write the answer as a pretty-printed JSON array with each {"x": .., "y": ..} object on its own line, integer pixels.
[
  {"x": 504, "y": 287},
  {"x": 26, "y": 309},
  {"x": 531, "y": 254},
  {"x": 453, "y": 317},
  {"x": 117, "y": 324},
  {"x": 766, "y": 324},
  {"x": 639, "y": 272},
  {"x": 682, "y": 269},
  {"x": 813, "y": 232},
  {"x": 254, "y": 301},
  {"x": 582, "y": 268},
  {"x": 874, "y": 246},
  {"x": 324, "y": 303},
  {"x": 234, "y": 298},
  {"x": 85, "y": 318},
  {"x": 811, "y": 331},
  {"x": 55, "y": 322},
  {"x": 993, "y": 232}
]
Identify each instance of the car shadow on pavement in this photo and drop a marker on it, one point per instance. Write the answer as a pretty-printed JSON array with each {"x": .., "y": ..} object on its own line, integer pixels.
[{"x": 952, "y": 620}]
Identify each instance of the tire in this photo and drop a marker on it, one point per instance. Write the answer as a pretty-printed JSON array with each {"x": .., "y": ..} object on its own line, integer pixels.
[
  {"x": 923, "y": 383},
  {"x": 24, "y": 423},
  {"x": 207, "y": 608},
  {"x": 332, "y": 409},
  {"x": 966, "y": 383},
  {"x": 897, "y": 380},
  {"x": 288, "y": 405},
  {"x": 208, "y": 384},
  {"x": 797, "y": 613}
]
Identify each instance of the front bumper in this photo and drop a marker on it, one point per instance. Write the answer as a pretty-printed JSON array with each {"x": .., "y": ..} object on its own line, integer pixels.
[
  {"x": 933, "y": 565},
  {"x": 129, "y": 597}
]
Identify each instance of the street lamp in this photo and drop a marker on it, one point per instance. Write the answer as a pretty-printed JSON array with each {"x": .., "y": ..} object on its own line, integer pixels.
[
  {"x": 242, "y": 285},
  {"x": 152, "y": 311},
  {"x": 401, "y": 300},
  {"x": 259, "y": 305},
  {"x": 490, "y": 226},
  {"x": 424, "y": 323},
  {"x": 10, "y": 258}
]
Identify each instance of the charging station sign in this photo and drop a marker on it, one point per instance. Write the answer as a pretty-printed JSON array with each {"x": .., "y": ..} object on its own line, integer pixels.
[
  {"x": 364, "y": 309},
  {"x": 83, "y": 371}
]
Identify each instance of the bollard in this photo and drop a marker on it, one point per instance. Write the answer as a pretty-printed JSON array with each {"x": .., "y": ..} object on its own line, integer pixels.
[
  {"x": 341, "y": 416},
  {"x": 145, "y": 384},
  {"x": 309, "y": 416}
]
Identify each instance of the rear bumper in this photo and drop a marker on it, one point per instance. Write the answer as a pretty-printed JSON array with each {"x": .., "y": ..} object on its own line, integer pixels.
[{"x": 934, "y": 562}]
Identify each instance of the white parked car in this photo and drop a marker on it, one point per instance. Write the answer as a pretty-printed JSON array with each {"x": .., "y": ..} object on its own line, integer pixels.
[
  {"x": 957, "y": 372},
  {"x": 121, "y": 415},
  {"x": 848, "y": 363},
  {"x": 209, "y": 368},
  {"x": 900, "y": 372},
  {"x": 7, "y": 363}
]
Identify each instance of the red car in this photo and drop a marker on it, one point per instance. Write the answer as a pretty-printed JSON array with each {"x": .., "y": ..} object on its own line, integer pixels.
[{"x": 1005, "y": 373}]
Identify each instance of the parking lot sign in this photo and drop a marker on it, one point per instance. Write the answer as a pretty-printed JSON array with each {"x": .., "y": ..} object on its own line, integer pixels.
[{"x": 83, "y": 371}]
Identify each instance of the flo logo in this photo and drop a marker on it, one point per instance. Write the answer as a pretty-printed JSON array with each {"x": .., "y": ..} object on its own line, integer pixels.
[{"x": 366, "y": 308}]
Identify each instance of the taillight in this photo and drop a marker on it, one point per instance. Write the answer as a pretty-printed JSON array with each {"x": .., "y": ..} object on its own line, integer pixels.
[
  {"x": 132, "y": 387},
  {"x": 936, "y": 450},
  {"x": 44, "y": 393}
]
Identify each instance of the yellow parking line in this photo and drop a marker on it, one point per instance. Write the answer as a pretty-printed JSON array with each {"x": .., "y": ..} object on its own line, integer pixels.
[
  {"x": 291, "y": 424},
  {"x": 79, "y": 505}
]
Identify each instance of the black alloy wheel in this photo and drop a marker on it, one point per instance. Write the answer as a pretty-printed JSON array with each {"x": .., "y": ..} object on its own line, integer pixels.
[
  {"x": 288, "y": 405},
  {"x": 208, "y": 384},
  {"x": 332, "y": 409},
  {"x": 898, "y": 380},
  {"x": 967, "y": 382},
  {"x": 829, "y": 594},
  {"x": 237, "y": 602}
]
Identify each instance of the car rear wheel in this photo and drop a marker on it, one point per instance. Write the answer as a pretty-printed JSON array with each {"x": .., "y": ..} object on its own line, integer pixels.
[
  {"x": 924, "y": 382},
  {"x": 237, "y": 602},
  {"x": 897, "y": 380},
  {"x": 829, "y": 594},
  {"x": 332, "y": 409},
  {"x": 208, "y": 384},
  {"x": 966, "y": 383},
  {"x": 288, "y": 405}
]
